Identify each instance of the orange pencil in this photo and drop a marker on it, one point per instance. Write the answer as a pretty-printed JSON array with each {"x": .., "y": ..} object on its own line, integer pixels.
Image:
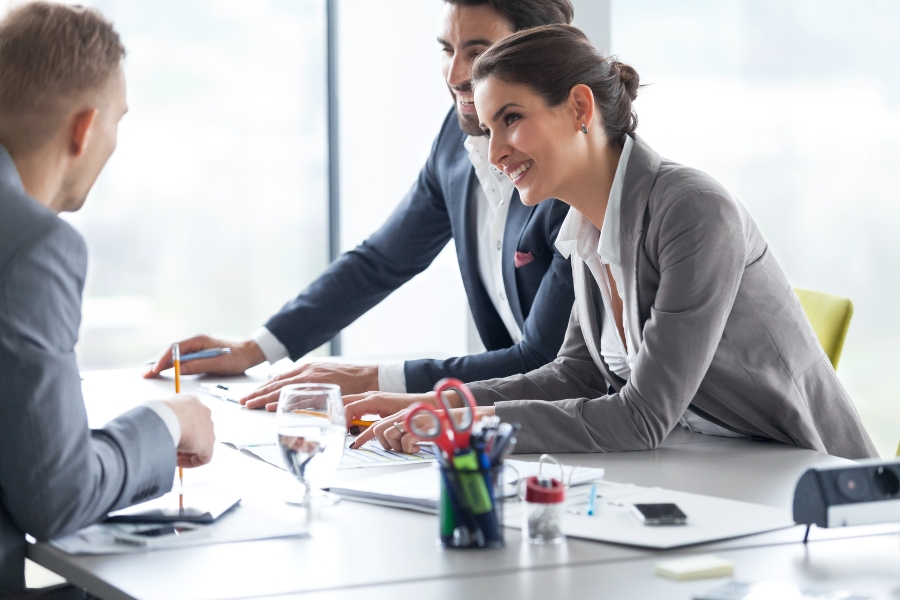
[{"x": 176, "y": 362}]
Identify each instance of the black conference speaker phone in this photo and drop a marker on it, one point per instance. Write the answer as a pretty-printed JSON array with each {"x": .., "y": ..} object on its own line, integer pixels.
[{"x": 841, "y": 496}]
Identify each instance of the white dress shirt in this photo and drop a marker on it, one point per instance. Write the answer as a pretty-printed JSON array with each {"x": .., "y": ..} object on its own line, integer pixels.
[
  {"x": 602, "y": 248},
  {"x": 492, "y": 197}
]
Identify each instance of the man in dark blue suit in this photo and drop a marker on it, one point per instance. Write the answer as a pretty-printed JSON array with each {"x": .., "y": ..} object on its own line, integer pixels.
[{"x": 519, "y": 287}]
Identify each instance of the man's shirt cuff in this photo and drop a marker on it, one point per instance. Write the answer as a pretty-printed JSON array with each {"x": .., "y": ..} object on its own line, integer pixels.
[
  {"x": 168, "y": 416},
  {"x": 271, "y": 348},
  {"x": 392, "y": 378}
]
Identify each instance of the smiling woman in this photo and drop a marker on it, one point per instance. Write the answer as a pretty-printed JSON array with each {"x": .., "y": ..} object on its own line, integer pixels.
[{"x": 682, "y": 314}]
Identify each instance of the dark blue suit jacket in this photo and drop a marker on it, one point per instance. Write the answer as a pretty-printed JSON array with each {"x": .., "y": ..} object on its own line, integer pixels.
[{"x": 436, "y": 209}]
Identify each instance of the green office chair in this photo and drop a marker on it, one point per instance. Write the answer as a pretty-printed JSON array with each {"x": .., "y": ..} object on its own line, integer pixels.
[{"x": 830, "y": 317}]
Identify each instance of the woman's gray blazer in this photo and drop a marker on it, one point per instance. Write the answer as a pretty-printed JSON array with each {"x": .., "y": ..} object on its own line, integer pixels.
[{"x": 721, "y": 334}]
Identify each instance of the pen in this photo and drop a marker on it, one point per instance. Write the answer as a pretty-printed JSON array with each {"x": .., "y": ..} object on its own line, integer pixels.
[
  {"x": 176, "y": 362},
  {"x": 592, "y": 500},
  {"x": 209, "y": 353}
]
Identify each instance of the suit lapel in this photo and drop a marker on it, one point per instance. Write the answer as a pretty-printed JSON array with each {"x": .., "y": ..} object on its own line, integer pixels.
[
  {"x": 516, "y": 219},
  {"x": 640, "y": 177},
  {"x": 464, "y": 234},
  {"x": 460, "y": 204}
]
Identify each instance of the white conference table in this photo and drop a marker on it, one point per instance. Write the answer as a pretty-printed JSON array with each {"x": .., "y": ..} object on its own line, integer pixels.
[{"x": 373, "y": 552}]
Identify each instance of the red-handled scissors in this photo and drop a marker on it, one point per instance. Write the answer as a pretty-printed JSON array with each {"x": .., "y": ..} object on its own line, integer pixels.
[
  {"x": 429, "y": 425},
  {"x": 437, "y": 425},
  {"x": 462, "y": 431}
]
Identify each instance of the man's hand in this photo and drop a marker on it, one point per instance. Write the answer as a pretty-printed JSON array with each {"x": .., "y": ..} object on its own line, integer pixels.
[
  {"x": 352, "y": 379},
  {"x": 243, "y": 356},
  {"x": 197, "y": 435}
]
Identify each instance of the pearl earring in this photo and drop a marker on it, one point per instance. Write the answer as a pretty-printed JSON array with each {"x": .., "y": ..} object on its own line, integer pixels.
[{"x": 583, "y": 128}]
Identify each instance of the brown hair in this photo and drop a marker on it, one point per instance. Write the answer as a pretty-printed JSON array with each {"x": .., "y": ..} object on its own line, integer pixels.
[
  {"x": 51, "y": 54},
  {"x": 555, "y": 58},
  {"x": 523, "y": 14}
]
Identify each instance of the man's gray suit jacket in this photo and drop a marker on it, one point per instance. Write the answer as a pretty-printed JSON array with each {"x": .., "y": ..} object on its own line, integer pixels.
[
  {"x": 721, "y": 334},
  {"x": 56, "y": 475}
]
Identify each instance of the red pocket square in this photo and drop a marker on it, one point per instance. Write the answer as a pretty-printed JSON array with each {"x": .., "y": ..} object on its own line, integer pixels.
[{"x": 523, "y": 258}]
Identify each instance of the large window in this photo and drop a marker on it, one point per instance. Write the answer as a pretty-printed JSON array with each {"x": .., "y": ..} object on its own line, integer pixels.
[
  {"x": 795, "y": 106},
  {"x": 392, "y": 102},
  {"x": 212, "y": 212}
]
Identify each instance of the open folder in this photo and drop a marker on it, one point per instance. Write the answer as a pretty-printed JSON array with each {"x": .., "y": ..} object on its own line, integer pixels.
[{"x": 371, "y": 454}]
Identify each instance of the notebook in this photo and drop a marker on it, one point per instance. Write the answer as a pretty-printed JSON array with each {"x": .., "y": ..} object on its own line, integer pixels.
[{"x": 419, "y": 489}]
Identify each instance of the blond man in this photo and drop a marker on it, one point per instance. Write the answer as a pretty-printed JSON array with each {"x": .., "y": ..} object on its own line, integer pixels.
[{"x": 62, "y": 94}]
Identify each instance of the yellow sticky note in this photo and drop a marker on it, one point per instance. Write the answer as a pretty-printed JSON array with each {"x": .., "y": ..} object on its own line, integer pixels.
[{"x": 706, "y": 566}]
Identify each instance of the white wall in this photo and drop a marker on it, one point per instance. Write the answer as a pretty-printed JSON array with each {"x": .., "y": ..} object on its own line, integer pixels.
[{"x": 593, "y": 18}]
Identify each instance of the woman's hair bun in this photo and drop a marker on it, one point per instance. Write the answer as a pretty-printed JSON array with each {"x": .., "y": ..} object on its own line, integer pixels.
[{"x": 629, "y": 78}]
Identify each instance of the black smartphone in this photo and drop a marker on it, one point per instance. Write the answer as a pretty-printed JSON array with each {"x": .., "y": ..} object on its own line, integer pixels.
[
  {"x": 158, "y": 531},
  {"x": 659, "y": 514},
  {"x": 154, "y": 535}
]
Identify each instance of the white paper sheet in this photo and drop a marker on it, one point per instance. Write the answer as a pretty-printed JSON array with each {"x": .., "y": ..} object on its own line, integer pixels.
[
  {"x": 370, "y": 455},
  {"x": 709, "y": 518}
]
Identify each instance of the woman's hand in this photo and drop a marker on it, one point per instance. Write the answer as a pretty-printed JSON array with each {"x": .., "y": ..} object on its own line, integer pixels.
[
  {"x": 357, "y": 406},
  {"x": 397, "y": 438}
]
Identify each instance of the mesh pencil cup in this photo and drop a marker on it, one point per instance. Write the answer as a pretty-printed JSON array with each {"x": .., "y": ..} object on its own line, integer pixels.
[
  {"x": 471, "y": 506},
  {"x": 544, "y": 506}
]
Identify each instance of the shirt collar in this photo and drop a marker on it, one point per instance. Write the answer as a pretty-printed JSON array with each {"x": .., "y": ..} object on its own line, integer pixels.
[
  {"x": 477, "y": 146},
  {"x": 490, "y": 178},
  {"x": 9, "y": 174},
  {"x": 577, "y": 233}
]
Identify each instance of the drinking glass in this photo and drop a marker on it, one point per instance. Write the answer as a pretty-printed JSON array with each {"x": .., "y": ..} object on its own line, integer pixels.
[{"x": 311, "y": 434}]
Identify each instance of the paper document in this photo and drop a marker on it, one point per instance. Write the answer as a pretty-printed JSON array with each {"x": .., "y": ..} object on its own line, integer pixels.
[
  {"x": 232, "y": 392},
  {"x": 708, "y": 518},
  {"x": 370, "y": 455},
  {"x": 420, "y": 489},
  {"x": 242, "y": 524}
]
